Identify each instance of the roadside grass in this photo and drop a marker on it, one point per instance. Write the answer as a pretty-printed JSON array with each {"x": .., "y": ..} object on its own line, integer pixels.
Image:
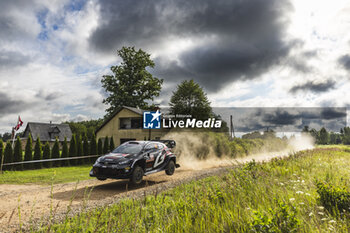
[
  {"x": 339, "y": 146},
  {"x": 46, "y": 176},
  {"x": 278, "y": 196}
]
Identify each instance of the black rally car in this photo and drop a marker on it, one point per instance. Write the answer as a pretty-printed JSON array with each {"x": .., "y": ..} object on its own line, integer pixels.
[{"x": 134, "y": 159}]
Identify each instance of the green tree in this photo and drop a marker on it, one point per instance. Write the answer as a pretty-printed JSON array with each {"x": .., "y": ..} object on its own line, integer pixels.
[
  {"x": 99, "y": 147},
  {"x": 56, "y": 153},
  {"x": 106, "y": 145},
  {"x": 86, "y": 148},
  {"x": 1, "y": 151},
  {"x": 17, "y": 154},
  {"x": 346, "y": 136},
  {"x": 28, "y": 153},
  {"x": 38, "y": 153},
  {"x": 323, "y": 136},
  {"x": 65, "y": 153},
  {"x": 8, "y": 155},
  {"x": 111, "y": 144},
  {"x": 189, "y": 98},
  {"x": 305, "y": 129},
  {"x": 73, "y": 149},
  {"x": 47, "y": 154},
  {"x": 131, "y": 84},
  {"x": 93, "y": 148},
  {"x": 79, "y": 150}
]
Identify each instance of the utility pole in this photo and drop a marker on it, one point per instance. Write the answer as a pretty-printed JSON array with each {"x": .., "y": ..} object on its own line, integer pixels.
[{"x": 232, "y": 131}]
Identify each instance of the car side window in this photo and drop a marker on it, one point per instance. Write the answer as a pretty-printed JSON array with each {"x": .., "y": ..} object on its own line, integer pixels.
[
  {"x": 151, "y": 147},
  {"x": 160, "y": 146}
]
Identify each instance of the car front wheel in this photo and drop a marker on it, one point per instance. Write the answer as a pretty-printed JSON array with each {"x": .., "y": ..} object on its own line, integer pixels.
[
  {"x": 137, "y": 175},
  {"x": 170, "y": 169}
]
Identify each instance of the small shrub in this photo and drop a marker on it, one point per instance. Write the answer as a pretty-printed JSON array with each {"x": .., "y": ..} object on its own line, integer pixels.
[
  {"x": 282, "y": 219},
  {"x": 335, "y": 199}
]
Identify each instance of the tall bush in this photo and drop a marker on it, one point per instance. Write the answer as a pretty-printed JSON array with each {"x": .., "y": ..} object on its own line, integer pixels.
[
  {"x": 106, "y": 145},
  {"x": 93, "y": 148},
  {"x": 8, "y": 155},
  {"x": 1, "y": 151},
  {"x": 47, "y": 155},
  {"x": 86, "y": 148},
  {"x": 111, "y": 144},
  {"x": 28, "y": 153},
  {"x": 55, "y": 153},
  {"x": 37, "y": 153},
  {"x": 99, "y": 147},
  {"x": 73, "y": 150},
  {"x": 65, "y": 153},
  {"x": 17, "y": 154},
  {"x": 79, "y": 150}
]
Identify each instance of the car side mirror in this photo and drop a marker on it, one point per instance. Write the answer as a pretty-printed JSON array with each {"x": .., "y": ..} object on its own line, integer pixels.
[{"x": 171, "y": 144}]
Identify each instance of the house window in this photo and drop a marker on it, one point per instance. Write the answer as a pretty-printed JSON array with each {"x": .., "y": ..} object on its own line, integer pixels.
[{"x": 130, "y": 123}]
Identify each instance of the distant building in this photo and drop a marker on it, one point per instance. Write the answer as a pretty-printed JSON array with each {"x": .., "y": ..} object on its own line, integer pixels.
[
  {"x": 125, "y": 125},
  {"x": 47, "y": 132}
]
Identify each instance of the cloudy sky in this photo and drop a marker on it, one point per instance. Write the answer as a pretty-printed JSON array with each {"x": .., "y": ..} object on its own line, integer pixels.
[{"x": 251, "y": 53}]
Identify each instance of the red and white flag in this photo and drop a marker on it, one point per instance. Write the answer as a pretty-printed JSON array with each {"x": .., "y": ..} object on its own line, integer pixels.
[{"x": 19, "y": 124}]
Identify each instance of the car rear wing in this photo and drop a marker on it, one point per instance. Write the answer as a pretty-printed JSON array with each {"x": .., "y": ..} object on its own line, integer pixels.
[{"x": 168, "y": 143}]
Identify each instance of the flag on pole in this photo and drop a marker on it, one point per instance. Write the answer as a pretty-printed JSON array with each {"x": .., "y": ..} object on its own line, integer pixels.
[{"x": 19, "y": 124}]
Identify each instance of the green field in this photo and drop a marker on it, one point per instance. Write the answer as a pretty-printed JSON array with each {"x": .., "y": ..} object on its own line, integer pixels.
[
  {"x": 46, "y": 176},
  {"x": 279, "y": 196}
]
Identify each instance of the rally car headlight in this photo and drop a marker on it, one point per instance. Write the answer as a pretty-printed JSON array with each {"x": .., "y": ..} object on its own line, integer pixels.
[
  {"x": 99, "y": 160},
  {"x": 125, "y": 162}
]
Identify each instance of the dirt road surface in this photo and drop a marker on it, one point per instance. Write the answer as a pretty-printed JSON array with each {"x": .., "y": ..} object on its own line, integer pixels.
[{"x": 25, "y": 204}]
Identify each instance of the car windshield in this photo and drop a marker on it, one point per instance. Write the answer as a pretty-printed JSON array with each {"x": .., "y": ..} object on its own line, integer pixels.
[{"x": 128, "y": 148}]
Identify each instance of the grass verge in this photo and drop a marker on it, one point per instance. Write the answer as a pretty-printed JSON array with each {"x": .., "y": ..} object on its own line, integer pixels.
[
  {"x": 46, "y": 176},
  {"x": 278, "y": 196}
]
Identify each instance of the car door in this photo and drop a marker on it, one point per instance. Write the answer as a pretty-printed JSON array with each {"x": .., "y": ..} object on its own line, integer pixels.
[
  {"x": 159, "y": 156},
  {"x": 151, "y": 153}
]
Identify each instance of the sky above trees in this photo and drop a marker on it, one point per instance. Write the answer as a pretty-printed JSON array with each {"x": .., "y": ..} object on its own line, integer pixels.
[{"x": 252, "y": 53}]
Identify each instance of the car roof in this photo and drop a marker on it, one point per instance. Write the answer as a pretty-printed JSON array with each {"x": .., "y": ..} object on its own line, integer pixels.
[{"x": 143, "y": 142}]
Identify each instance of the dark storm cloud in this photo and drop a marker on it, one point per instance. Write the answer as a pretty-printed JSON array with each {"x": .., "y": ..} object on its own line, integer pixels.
[
  {"x": 48, "y": 96},
  {"x": 246, "y": 37},
  {"x": 283, "y": 119},
  {"x": 313, "y": 86},
  {"x": 9, "y": 105},
  {"x": 345, "y": 62},
  {"x": 12, "y": 59},
  {"x": 333, "y": 113},
  {"x": 10, "y": 22}
]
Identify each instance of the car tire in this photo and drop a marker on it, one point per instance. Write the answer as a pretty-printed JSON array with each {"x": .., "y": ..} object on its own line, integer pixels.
[
  {"x": 137, "y": 175},
  {"x": 100, "y": 178},
  {"x": 170, "y": 168}
]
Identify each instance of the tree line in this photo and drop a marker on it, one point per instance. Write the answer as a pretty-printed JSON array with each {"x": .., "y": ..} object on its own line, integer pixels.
[
  {"x": 78, "y": 146},
  {"x": 324, "y": 137}
]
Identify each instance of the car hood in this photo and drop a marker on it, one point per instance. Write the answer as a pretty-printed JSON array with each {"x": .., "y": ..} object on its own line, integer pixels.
[{"x": 116, "y": 157}]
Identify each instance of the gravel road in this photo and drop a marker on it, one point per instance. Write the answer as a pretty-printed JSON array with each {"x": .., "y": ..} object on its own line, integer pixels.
[{"x": 35, "y": 202}]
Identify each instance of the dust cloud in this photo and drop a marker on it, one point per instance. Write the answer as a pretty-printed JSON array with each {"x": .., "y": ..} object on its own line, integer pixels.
[{"x": 189, "y": 145}]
